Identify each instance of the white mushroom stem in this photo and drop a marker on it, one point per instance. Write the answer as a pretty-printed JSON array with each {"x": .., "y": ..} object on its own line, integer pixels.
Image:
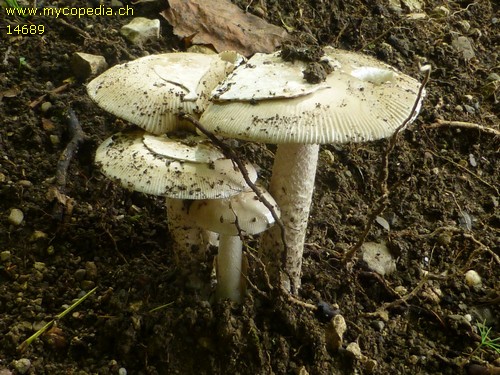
[
  {"x": 230, "y": 217},
  {"x": 230, "y": 270},
  {"x": 188, "y": 240},
  {"x": 292, "y": 186}
]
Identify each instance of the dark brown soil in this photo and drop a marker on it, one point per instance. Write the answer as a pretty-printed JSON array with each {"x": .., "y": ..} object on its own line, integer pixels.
[{"x": 443, "y": 213}]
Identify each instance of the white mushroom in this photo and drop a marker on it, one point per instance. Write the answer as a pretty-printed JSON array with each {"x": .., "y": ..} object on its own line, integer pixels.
[
  {"x": 243, "y": 212},
  {"x": 180, "y": 168},
  {"x": 268, "y": 100},
  {"x": 151, "y": 91}
]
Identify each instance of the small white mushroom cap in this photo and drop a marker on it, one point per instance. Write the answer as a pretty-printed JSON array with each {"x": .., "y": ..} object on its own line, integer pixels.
[
  {"x": 188, "y": 167},
  {"x": 268, "y": 100},
  {"x": 219, "y": 215},
  {"x": 151, "y": 91}
]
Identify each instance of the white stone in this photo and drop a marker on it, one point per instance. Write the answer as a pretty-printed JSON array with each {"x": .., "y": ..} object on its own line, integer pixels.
[
  {"x": 472, "y": 278},
  {"x": 378, "y": 258},
  {"x": 22, "y": 365},
  {"x": 335, "y": 333},
  {"x": 141, "y": 30},
  {"x": 354, "y": 348},
  {"x": 463, "y": 45},
  {"x": 412, "y": 5},
  {"x": 16, "y": 216},
  {"x": 85, "y": 65}
]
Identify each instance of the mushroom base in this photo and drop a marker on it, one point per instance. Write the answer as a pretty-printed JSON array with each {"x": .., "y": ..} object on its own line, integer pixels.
[{"x": 189, "y": 241}]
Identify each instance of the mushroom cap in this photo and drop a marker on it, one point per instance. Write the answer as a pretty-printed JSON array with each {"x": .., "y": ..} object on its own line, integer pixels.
[
  {"x": 151, "y": 91},
  {"x": 268, "y": 100},
  {"x": 219, "y": 215},
  {"x": 187, "y": 167}
]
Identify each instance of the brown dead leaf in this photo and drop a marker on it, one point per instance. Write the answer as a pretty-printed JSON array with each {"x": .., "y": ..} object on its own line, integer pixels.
[
  {"x": 223, "y": 25},
  {"x": 10, "y": 93},
  {"x": 48, "y": 125}
]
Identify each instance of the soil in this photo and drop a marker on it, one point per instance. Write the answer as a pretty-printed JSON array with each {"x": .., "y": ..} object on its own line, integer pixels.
[{"x": 83, "y": 231}]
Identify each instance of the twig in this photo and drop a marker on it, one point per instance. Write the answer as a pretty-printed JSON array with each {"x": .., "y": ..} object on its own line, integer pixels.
[
  {"x": 21, "y": 348},
  {"x": 77, "y": 137},
  {"x": 481, "y": 246},
  {"x": 462, "y": 124},
  {"x": 228, "y": 152},
  {"x": 465, "y": 169},
  {"x": 57, "y": 192},
  {"x": 469, "y": 236},
  {"x": 76, "y": 29},
  {"x": 381, "y": 202},
  {"x": 161, "y": 307},
  {"x": 263, "y": 266},
  {"x": 57, "y": 90}
]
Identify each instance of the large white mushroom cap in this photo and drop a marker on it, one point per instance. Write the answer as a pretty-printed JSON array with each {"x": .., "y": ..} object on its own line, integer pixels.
[
  {"x": 188, "y": 167},
  {"x": 244, "y": 211},
  {"x": 268, "y": 100},
  {"x": 151, "y": 91}
]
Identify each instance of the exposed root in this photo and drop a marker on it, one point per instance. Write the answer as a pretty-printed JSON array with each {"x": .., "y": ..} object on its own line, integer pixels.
[
  {"x": 462, "y": 124},
  {"x": 64, "y": 204}
]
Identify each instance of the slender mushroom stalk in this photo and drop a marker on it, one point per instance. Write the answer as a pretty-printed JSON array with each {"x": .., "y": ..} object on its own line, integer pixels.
[
  {"x": 180, "y": 168},
  {"x": 230, "y": 269},
  {"x": 231, "y": 218},
  {"x": 292, "y": 185},
  {"x": 267, "y": 100}
]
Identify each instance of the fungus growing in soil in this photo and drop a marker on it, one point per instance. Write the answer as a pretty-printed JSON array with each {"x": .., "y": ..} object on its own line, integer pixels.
[
  {"x": 150, "y": 91},
  {"x": 267, "y": 100},
  {"x": 230, "y": 218},
  {"x": 186, "y": 167}
]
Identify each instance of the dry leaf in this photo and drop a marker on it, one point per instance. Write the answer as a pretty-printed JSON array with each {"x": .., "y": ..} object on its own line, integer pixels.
[
  {"x": 48, "y": 125},
  {"x": 223, "y": 25},
  {"x": 9, "y": 93}
]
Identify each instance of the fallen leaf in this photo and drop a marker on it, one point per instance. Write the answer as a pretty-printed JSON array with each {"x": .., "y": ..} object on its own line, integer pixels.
[
  {"x": 48, "y": 125},
  {"x": 223, "y": 25},
  {"x": 9, "y": 93}
]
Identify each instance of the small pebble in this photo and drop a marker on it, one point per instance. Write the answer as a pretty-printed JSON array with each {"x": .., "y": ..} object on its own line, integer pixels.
[
  {"x": 25, "y": 183},
  {"x": 5, "y": 256},
  {"x": 355, "y": 350},
  {"x": 324, "y": 312},
  {"x": 378, "y": 258},
  {"x": 91, "y": 269},
  {"x": 51, "y": 250},
  {"x": 401, "y": 290},
  {"x": 472, "y": 278},
  {"x": 440, "y": 11},
  {"x": 38, "y": 235},
  {"x": 85, "y": 65},
  {"x": 122, "y": 371},
  {"x": 378, "y": 325},
  {"x": 140, "y": 30},
  {"x": 46, "y": 106},
  {"x": 54, "y": 139},
  {"x": 40, "y": 266},
  {"x": 80, "y": 274},
  {"x": 334, "y": 334},
  {"x": 22, "y": 365},
  {"x": 16, "y": 216}
]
